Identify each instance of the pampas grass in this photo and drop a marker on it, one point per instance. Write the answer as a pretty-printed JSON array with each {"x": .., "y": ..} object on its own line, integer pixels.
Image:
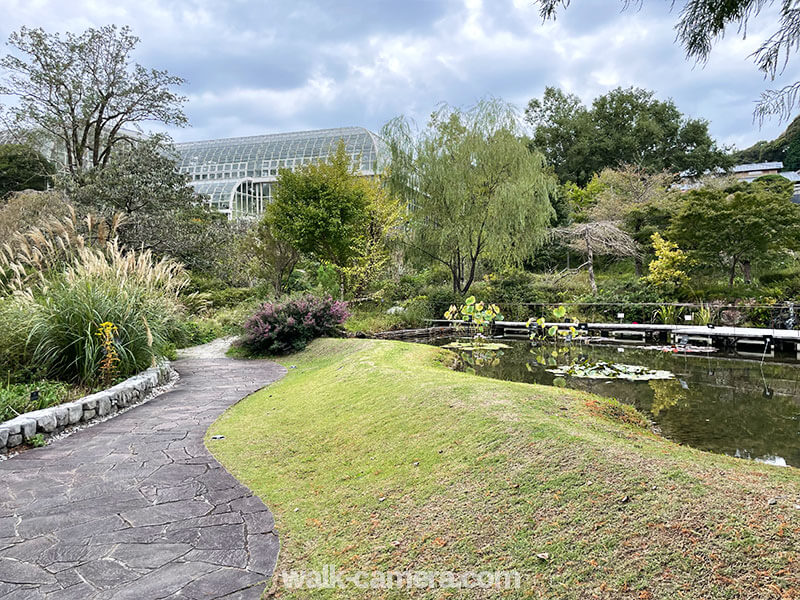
[{"x": 70, "y": 276}]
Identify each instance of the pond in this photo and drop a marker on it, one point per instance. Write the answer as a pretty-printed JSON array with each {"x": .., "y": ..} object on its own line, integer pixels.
[{"x": 715, "y": 402}]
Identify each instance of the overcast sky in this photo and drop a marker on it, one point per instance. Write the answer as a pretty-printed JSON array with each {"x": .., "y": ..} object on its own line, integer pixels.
[{"x": 264, "y": 66}]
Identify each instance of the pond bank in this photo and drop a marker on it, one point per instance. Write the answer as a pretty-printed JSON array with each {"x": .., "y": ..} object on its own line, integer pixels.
[{"x": 375, "y": 455}]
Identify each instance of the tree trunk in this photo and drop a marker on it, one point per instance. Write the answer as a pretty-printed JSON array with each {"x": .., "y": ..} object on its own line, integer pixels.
[
  {"x": 590, "y": 263},
  {"x": 733, "y": 272},
  {"x": 746, "y": 269},
  {"x": 637, "y": 265}
]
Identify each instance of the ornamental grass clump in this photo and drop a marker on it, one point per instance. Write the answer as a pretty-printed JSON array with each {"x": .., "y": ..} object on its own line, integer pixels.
[
  {"x": 131, "y": 290},
  {"x": 278, "y": 328}
]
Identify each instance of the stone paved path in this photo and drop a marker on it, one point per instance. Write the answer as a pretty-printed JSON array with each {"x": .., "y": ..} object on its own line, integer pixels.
[{"x": 136, "y": 507}]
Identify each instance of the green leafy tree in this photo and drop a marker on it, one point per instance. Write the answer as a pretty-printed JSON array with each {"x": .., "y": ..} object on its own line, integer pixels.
[
  {"x": 702, "y": 22},
  {"x": 374, "y": 245},
  {"x": 269, "y": 257},
  {"x": 736, "y": 226},
  {"x": 473, "y": 188},
  {"x": 85, "y": 92},
  {"x": 624, "y": 126},
  {"x": 23, "y": 168},
  {"x": 324, "y": 210}
]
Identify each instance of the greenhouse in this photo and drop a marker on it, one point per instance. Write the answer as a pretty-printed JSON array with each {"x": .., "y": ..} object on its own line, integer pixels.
[{"x": 237, "y": 174}]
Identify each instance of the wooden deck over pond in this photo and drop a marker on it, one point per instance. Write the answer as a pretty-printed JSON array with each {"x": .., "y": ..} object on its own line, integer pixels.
[{"x": 650, "y": 330}]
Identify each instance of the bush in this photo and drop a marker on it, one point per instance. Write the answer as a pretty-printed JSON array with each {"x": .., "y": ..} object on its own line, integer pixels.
[
  {"x": 127, "y": 289},
  {"x": 289, "y": 326},
  {"x": 441, "y": 298}
]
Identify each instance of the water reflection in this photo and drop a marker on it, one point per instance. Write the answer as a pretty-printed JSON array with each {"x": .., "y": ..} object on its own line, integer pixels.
[{"x": 717, "y": 403}]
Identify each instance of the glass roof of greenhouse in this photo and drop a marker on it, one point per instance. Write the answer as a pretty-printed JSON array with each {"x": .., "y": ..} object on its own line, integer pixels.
[
  {"x": 236, "y": 174},
  {"x": 262, "y": 155}
]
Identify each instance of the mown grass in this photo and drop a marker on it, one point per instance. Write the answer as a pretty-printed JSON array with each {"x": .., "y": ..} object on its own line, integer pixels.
[{"x": 374, "y": 455}]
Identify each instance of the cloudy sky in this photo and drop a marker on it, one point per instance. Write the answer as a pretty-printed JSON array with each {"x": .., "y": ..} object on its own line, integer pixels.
[{"x": 262, "y": 66}]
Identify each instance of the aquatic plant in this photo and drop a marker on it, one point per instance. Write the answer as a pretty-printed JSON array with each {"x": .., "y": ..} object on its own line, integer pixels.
[
  {"x": 605, "y": 370},
  {"x": 477, "y": 317}
]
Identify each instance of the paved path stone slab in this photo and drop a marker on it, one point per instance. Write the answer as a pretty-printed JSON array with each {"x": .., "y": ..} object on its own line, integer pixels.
[{"x": 136, "y": 507}]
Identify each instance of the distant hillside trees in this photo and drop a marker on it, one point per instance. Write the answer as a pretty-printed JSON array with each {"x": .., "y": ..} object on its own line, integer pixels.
[
  {"x": 784, "y": 148},
  {"x": 624, "y": 126}
]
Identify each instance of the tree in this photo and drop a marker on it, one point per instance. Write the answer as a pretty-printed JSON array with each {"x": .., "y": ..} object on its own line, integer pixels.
[
  {"x": 23, "y": 168},
  {"x": 373, "y": 247},
  {"x": 638, "y": 199},
  {"x": 702, "y": 22},
  {"x": 473, "y": 188},
  {"x": 324, "y": 210},
  {"x": 269, "y": 257},
  {"x": 737, "y": 226},
  {"x": 597, "y": 237},
  {"x": 83, "y": 91},
  {"x": 667, "y": 271},
  {"x": 624, "y": 126},
  {"x": 161, "y": 211},
  {"x": 785, "y": 148},
  {"x": 142, "y": 183}
]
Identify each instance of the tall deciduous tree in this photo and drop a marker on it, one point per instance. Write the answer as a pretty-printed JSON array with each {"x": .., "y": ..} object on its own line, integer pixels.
[
  {"x": 636, "y": 198},
  {"x": 624, "y": 126},
  {"x": 702, "y": 22},
  {"x": 737, "y": 226},
  {"x": 84, "y": 90},
  {"x": 161, "y": 212},
  {"x": 472, "y": 187}
]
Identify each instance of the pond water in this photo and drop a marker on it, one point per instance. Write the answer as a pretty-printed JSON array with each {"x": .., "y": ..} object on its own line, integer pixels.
[{"x": 716, "y": 402}]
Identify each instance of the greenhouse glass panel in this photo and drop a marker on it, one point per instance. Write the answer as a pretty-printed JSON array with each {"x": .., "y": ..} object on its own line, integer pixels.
[{"x": 235, "y": 174}]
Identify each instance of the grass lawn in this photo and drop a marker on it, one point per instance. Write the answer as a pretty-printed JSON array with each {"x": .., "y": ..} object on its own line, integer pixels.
[{"x": 374, "y": 455}]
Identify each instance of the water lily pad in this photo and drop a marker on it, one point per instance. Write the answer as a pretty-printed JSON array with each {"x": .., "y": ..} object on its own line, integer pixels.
[
  {"x": 471, "y": 346},
  {"x": 604, "y": 370}
]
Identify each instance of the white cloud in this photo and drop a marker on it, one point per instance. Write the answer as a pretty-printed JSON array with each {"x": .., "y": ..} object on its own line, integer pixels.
[{"x": 255, "y": 67}]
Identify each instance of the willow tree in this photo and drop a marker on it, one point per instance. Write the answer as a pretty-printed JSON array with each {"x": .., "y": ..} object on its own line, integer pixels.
[{"x": 473, "y": 189}]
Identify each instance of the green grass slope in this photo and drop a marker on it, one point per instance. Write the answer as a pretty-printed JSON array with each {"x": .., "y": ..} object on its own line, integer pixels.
[{"x": 374, "y": 455}]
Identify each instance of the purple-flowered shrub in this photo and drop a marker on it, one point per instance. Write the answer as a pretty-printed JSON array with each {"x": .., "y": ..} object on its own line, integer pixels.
[{"x": 288, "y": 326}]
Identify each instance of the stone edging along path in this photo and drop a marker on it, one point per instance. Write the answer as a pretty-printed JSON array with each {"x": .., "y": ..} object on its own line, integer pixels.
[
  {"x": 136, "y": 507},
  {"x": 55, "y": 419}
]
